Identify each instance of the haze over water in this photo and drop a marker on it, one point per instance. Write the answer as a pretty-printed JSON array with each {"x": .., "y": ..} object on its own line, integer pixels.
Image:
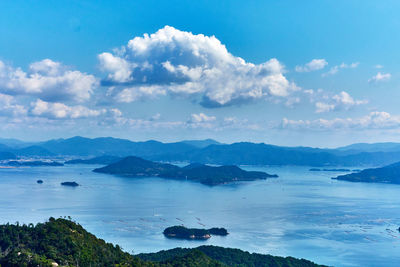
[{"x": 301, "y": 214}]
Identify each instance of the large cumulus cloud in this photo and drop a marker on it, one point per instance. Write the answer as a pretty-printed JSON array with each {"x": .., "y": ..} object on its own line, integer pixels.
[{"x": 176, "y": 62}]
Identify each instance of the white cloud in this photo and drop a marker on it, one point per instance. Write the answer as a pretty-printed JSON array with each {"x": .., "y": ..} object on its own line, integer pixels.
[
  {"x": 136, "y": 93},
  {"x": 201, "y": 117},
  {"x": 313, "y": 65},
  {"x": 378, "y": 66},
  {"x": 325, "y": 101},
  {"x": 324, "y": 107},
  {"x": 380, "y": 77},
  {"x": 9, "y": 108},
  {"x": 374, "y": 120},
  {"x": 47, "y": 80},
  {"x": 336, "y": 68},
  {"x": 41, "y": 108},
  {"x": 176, "y": 62}
]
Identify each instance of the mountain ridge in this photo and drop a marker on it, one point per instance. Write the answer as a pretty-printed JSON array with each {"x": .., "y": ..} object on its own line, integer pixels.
[{"x": 209, "y": 151}]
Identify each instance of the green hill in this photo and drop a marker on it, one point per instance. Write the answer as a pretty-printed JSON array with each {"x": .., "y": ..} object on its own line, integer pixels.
[{"x": 66, "y": 243}]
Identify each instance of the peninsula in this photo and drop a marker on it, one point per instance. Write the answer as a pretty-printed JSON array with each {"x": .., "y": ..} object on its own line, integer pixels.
[{"x": 388, "y": 174}]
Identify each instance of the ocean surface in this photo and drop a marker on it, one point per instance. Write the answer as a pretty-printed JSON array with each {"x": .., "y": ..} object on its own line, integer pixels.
[{"x": 302, "y": 214}]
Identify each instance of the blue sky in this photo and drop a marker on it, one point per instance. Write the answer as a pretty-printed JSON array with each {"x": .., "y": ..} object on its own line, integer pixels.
[{"x": 319, "y": 73}]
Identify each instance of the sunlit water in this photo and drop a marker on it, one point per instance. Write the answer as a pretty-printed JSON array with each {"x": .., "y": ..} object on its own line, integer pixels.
[{"x": 302, "y": 214}]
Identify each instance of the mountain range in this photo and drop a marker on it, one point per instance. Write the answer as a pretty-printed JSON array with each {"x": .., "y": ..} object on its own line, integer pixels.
[{"x": 205, "y": 151}]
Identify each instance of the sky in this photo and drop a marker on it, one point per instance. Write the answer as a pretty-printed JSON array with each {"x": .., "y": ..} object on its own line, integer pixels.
[{"x": 315, "y": 73}]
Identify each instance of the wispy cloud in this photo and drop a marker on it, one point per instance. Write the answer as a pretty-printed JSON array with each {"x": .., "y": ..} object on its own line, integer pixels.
[
  {"x": 313, "y": 65},
  {"x": 326, "y": 101},
  {"x": 62, "y": 111},
  {"x": 374, "y": 120},
  {"x": 335, "y": 69},
  {"x": 380, "y": 77}
]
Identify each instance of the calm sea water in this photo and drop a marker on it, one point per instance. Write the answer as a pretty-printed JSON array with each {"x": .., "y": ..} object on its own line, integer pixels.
[{"x": 302, "y": 214}]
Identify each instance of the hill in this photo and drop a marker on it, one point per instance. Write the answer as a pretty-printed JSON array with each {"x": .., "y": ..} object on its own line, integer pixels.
[
  {"x": 96, "y": 160},
  {"x": 388, "y": 174},
  {"x": 7, "y": 155},
  {"x": 66, "y": 243},
  {"x": 230, "y": 257},
  {"x": 208, "y": 175}
]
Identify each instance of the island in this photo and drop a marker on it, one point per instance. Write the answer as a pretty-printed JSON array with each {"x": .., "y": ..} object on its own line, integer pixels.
[
  {"x": 208, "y": 175},
  {"x": 181, "y": 232},
  {"x": 96, "y": 160},
  {"x": 62, "y": 242},
  {"x": 15, "y": 163},
  {"x": 72, "y": 184},
  {"x": 329, "y": 170},
  {"x": 387, "y": 174}
]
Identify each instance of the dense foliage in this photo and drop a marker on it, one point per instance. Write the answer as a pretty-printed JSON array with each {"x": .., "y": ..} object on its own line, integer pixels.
[
  {"x": 209, "y": 175},
  {"x": 61, "y": 241},
  {"x": 66, "y": 243},
  {"x": 231, "y": 257}
]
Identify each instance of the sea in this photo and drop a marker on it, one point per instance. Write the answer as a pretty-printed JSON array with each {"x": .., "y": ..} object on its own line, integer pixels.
[{"x": 301, "y": 213}]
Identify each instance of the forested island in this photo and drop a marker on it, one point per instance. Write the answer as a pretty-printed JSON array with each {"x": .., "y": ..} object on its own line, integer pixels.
[
  {"x": 329, "y": 170},
  {"x": 208, "y": 175},
  {"x": 181, "y": 232},
  {"x": 388, "y": 174},
  {"x": 71, "y": 184},
  {"x": 62, "y": 242}
]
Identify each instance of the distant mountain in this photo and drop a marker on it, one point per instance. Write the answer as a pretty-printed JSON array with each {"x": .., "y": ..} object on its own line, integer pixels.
[
  {"x": 388, "y": 174},
  {"x": 80, "y": 146},
  {"x": 14, "y": 143},
  {"x": 263, "y": 154},
  {"x": 7, "y": 155},
  {"x": 211, "y": 152},
  {"x": 96, "y": 160},
  {"x": 32, "y": 151},
  {"x": 137, "y": 167},
  {"x": 201, "y": 143},
  {"x": 373, "y": 147}
]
